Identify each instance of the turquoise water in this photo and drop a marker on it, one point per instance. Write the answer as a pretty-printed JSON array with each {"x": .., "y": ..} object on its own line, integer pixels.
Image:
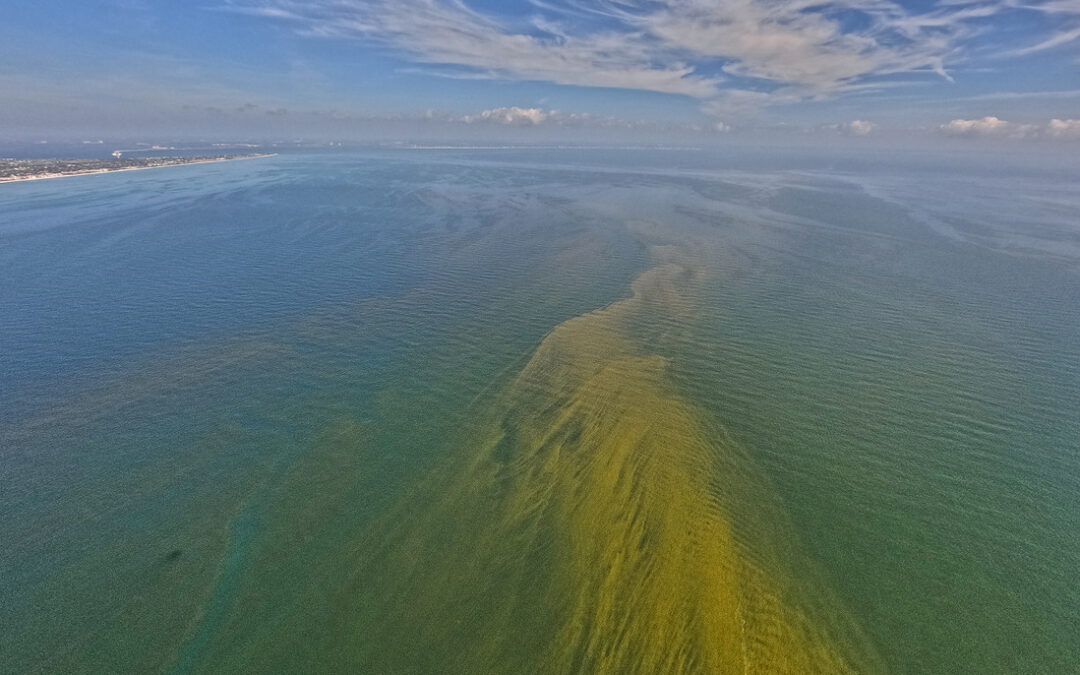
[{"x": 244, "y": 409}]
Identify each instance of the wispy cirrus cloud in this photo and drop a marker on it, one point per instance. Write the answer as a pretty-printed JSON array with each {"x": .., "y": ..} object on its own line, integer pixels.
[
  {"x": 451, "y": 33},
  {"x": 735, "y": 55},
  {"x": 1056, "y": 40},
  {"x": 1065, "y": 13},
  {"x": 1021, "y": 95},
  {"x": 803, "y": 43}
]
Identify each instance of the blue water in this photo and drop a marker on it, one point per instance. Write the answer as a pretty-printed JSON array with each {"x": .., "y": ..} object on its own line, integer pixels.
[{"x": 214, "y": 380}]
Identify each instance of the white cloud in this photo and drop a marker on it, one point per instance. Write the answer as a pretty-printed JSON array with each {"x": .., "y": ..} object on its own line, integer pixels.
[
  {"x": 852, "y": 128},
  {"x": 1056, "y": 40},
  {"x": 802, "y": 43},
  {"x": 1064, "y": 129},
  {"x": 993, "y": 127},
  {"x": 859, "y": 127},
  {"x": 987, "y": 126},
  {"x": 797, "y": 50},
  {"x": 450, "y": 33},
  {"x": 512, "y": 116},
  {"x": 1020, "y": 95},
  {"x": 528, "y": 117}
]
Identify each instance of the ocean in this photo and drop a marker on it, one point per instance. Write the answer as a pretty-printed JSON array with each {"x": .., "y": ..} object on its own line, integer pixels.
[{"x": 543, "y": 410}]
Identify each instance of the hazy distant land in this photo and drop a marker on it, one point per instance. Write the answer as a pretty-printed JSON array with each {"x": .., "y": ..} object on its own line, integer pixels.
[{"x": 12, "y": 170}]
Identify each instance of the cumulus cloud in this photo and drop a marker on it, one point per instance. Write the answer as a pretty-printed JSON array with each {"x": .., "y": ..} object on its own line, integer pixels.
[
  {"x": 513, "y": 115},
  {"x": 712, "y": 50},
  {"x": 987, "y": 126},
  {"x": 859, "y": 127},
  {"x": 529, "y": 117},
  {"x": 1064, "y": 129},
  {"x": 852, "y": 128},
  {"x": 516, "y": 116},
  {"x": 993, "y": 127}
]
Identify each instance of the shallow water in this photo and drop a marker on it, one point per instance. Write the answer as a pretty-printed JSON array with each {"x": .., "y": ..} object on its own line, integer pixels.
[{"x": 541, "y": 411}]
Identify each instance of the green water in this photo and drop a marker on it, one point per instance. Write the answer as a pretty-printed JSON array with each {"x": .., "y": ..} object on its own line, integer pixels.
[{"x": 540, "y": 412}]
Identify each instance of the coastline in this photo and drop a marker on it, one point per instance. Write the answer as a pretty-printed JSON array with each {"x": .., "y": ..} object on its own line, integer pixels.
[{"x": 90, "y": 172}]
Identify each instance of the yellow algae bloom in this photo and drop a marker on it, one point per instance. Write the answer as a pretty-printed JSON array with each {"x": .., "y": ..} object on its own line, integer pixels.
[{"x": 593, "y": 526}]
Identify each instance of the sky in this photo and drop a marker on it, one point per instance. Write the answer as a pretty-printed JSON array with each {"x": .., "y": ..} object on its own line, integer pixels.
[{"x": 617, "y": 70}]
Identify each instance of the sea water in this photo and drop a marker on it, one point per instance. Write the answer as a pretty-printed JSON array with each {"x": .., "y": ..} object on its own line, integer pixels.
[{"x": 542, "y": 411}]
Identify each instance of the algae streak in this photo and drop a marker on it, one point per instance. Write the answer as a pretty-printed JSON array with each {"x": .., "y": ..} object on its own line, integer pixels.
[{"x": 590, "y": 528}]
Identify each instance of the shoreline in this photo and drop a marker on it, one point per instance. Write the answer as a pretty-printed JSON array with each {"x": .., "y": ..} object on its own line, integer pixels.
[{"x": 91, "y": 172}]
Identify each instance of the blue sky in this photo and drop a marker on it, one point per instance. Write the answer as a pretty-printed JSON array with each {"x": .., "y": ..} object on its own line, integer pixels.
[{"x": 1003, "y": 69}]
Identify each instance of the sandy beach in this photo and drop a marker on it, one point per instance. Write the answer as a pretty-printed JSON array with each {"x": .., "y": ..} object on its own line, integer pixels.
[{"x": 86, "y": 172}]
